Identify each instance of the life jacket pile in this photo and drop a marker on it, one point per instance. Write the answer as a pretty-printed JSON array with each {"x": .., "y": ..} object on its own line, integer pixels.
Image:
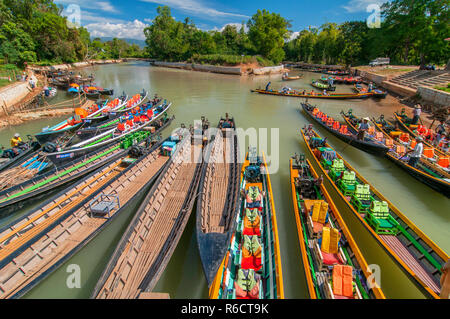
[{"x": 247, "y": 280}]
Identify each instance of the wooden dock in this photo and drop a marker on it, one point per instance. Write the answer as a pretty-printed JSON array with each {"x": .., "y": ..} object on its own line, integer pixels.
[
  {"x": 152, "y": 236},
  {"x": 41, "y": 241}
]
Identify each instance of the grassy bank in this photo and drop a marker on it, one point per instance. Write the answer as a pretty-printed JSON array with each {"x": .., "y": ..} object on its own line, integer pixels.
[
  {"x": 8, "y": 71},
  {"x": 443, "y": 88},
  {"x": 229, "y": 60}
]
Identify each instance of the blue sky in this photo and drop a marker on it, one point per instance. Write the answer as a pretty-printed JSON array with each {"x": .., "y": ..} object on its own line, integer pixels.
[{"x": 127, "y": 19}]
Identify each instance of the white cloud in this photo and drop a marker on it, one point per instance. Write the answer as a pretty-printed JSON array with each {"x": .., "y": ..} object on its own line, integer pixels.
[
  {"x": 237, "y": 25},
  {"x": 197, "y": 8},
  {"x": 105, "y": 6},
  {"x": 361, "y": 5},
  {"x": 294, "y": 35},
  {"x": 132, "y": 30}
]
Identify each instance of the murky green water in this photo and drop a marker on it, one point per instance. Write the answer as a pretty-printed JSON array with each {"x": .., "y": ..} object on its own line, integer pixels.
[{"x": 195, "y": 94}]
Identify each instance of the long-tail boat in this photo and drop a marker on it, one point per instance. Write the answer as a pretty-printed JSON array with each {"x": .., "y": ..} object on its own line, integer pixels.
[
  {"x": 9, "y": 158},
  {"x": 20, "y": 192},
  {"x": 334, "y": 266},
  {"x": 430, "y": 170},
  {"x": 103, "y": 115},
  {"x": 149, "y": 241},
  {"x": 217, "y": 204},
  {"x": 375, "y": 91},
  {"x": 420, "y": 258},
  {"x": 322, "y": 86},
  {"x": 251, "y": 267},
  {"x": 145, "y": 109},
  {"x": 416, "y": 130},
  {"x": 343, "y": 132},
  {"x": 290, "y": 78},
  {"x": 89, "y": 111},
  {"x": 111, "y": 136},
  {"x": 135, "y": 101},
  {"x": 294, "y": 93},
  {"x": 36, "y": 244}
]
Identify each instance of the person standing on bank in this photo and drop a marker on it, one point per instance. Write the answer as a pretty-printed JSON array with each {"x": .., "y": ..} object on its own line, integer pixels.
[
  {"x": 416, "y": 114},
  {"x": 416, "y": 153}
]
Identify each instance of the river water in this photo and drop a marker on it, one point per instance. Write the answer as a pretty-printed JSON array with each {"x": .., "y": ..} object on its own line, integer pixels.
[{"x": 194, "y": 94}]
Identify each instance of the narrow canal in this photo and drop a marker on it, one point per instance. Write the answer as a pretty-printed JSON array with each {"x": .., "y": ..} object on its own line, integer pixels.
[{"x": 195, "y": 94}]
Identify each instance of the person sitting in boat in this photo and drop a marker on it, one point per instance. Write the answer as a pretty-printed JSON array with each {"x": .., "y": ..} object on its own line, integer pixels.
[
  {"x": 416, "y": 152},
  {"x": 440, "y": 132},
  {"x": 267, "y": 86},
  {"x": 16, "y": 141},
  {"x": 416, "y": 114},
  {"x": 324, "y": 92},
  {"x": 363, "y": 127},
  {"x": 309, "y": 132},
  {"x": 370, "y": 87}
]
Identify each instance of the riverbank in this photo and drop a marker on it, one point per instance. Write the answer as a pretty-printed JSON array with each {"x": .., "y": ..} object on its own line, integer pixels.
[
  {"x": 22, "y": 117},
  {"x": 72, "y": 66},
  {"x": 245, "y": 69}
]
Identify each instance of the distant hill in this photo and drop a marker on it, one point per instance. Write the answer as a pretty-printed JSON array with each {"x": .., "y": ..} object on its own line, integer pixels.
[{"x": 140, "y": 43}]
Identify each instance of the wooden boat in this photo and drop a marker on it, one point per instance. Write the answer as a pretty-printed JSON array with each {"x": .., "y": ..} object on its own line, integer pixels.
[
  {"x": 251, "y": 268},
  {"x": 428, "y": 170},
  {"x": 69, "y": 125},
  {"x": 335, "y": 267},
  {"x": 344, "y": 133},
  {"x": 290, "y": 78},
  {"x": 337, "y": 72},
  {"x": 11, "y": 160},
  {"x": 133, "y": 102},
  {"x": 377, "y": 93},
  {"x": 322, "y": 86},
  {"x": 217, "y": 204},
  {"x": 149, "y": 241},
  {"x": 405, "y": 243},
  {"x": 26, "y": 190},
  {"x": 111, "y": 136},
  {"x": 99, "y": 128},
  {"x": 294, "y": 93},
  {"x": 39, "y": 242},
  {"x": 412, "y": 130},
  {"x": 103, "y": 114}
]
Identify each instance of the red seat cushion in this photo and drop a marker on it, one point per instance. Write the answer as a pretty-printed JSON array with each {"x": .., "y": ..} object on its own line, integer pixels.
[
  {"x": 251, "y": 263},
  {"x": 252, "y": 231},
  {"x": 330, "y": 259}
]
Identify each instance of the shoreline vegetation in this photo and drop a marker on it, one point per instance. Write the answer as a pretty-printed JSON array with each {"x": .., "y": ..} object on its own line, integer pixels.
[{"x": 35, "y": 32}]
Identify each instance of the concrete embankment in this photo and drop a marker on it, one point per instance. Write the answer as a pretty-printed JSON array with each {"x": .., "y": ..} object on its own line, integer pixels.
[
  {"x": 75, "y": 65},
  {"x": 13, "y": 94},
  {"x": 199, "y": 67},
  {"x": 234, "y": 70},
  {"x": 434, "y": 96}
]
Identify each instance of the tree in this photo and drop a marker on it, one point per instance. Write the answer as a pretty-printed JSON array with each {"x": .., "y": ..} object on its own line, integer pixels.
[{"x": 267, "y": 33}]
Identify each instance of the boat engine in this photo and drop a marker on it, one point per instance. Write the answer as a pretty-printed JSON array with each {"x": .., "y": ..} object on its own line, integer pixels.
[{"x": 136, "y": 151}]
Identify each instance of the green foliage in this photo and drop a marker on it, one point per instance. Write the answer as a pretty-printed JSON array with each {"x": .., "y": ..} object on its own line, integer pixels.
[
  {"x": 267, "y": 33},
  {"x": 412, "y": 32},
  {"x": 443, "y": 88},
  {"x": 171, "y": 40},
  {"x": 34, "y": 31}
]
